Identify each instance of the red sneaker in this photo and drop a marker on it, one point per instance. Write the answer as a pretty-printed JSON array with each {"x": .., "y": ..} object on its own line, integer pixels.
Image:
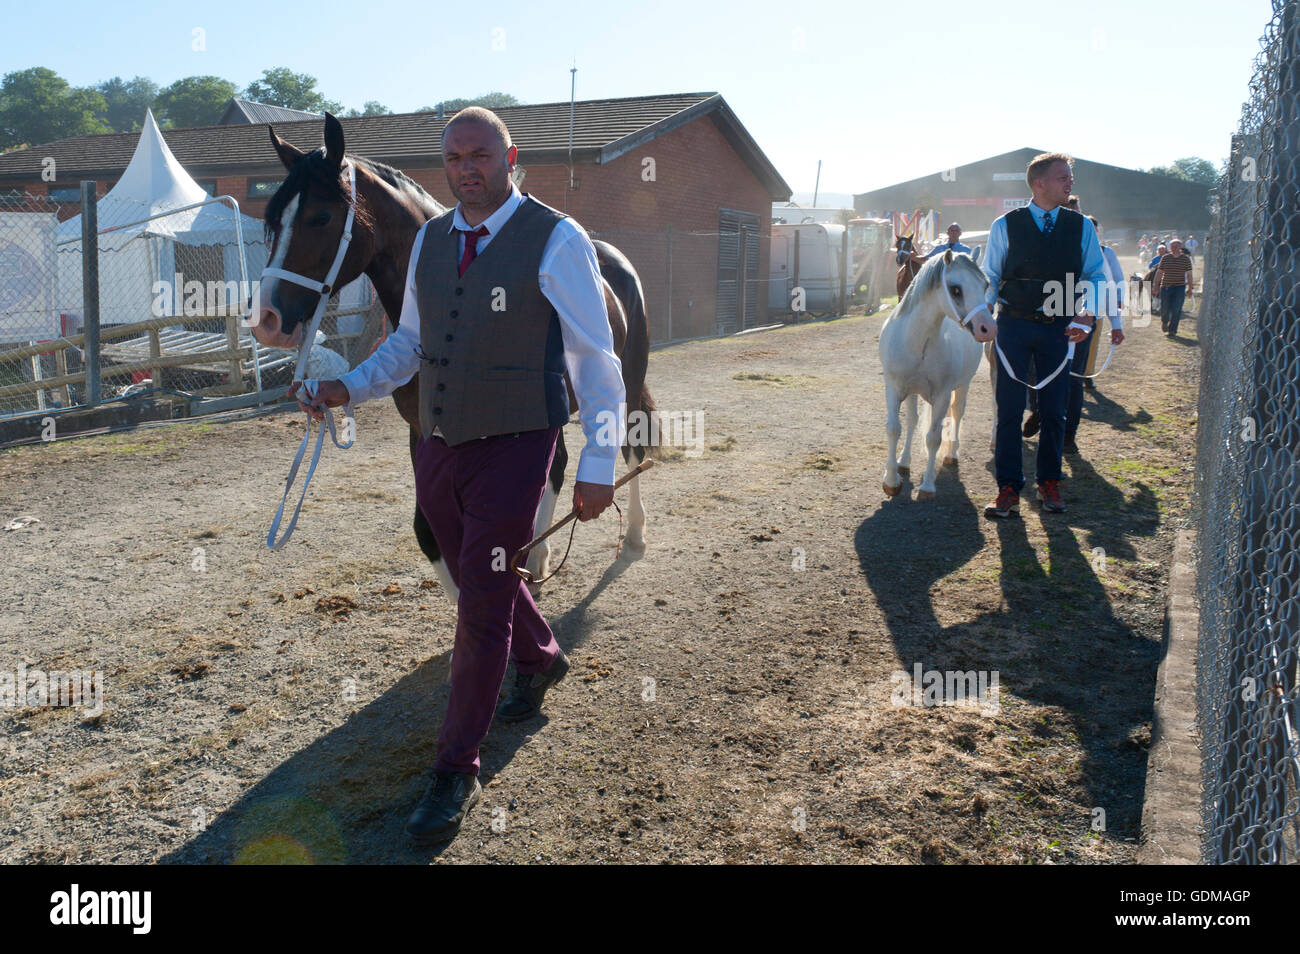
[
  {"x": 1007, "y": 504},
  {"x": 1049, "y": 492}
]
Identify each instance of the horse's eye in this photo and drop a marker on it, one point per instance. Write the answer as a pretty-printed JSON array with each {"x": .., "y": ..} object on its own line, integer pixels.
[
  {"x": 956, "y": 290},
  {"x": 319, "y": 219}
]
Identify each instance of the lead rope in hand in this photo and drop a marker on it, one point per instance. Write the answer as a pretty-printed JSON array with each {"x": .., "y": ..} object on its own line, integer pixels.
[{"x": 523, "y": 572}]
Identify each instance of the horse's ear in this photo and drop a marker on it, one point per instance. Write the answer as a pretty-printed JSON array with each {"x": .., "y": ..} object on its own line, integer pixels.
[
  {"x": 333, "y": 140},
  {"x": 288, "y": 154}
]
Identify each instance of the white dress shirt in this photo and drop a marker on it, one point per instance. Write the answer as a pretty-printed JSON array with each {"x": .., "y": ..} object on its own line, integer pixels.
[
  {"x": 1113, "y": 303},
  {"x": 1094, "y": 263},
  {"x": 569, "y": 277}
]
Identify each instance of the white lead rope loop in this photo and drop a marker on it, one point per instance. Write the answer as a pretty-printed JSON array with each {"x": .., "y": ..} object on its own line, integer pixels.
[{"x": 309, "y": 386}]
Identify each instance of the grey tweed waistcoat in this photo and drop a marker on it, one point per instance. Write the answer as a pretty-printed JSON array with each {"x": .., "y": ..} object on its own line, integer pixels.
[{"x": 493, "y": 356}]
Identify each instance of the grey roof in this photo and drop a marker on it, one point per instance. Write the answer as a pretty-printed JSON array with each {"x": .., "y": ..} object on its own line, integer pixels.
[
  {"x": 603, "y": 130},
  {"x": 246, "y": 112}
]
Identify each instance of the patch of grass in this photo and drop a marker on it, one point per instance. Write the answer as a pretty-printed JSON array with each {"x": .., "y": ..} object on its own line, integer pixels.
[
  {"x": 821, "y": 461},
  {"x": 728, "y": 443}
]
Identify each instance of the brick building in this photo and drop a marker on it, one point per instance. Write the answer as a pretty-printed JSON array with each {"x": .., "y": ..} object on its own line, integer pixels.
[{"x": 674, "y": 181}]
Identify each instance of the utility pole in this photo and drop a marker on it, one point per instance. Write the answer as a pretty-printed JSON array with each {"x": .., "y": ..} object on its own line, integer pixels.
[
  {"x": 817, "y": 186},
  {"x": 573, "y": 87}
]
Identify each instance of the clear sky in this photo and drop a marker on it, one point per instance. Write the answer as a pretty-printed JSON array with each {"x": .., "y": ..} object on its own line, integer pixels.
[{"x": 880, "y": 90}]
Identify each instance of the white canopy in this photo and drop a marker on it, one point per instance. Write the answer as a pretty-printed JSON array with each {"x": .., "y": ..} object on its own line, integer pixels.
[{"x": 155, "y": 183}]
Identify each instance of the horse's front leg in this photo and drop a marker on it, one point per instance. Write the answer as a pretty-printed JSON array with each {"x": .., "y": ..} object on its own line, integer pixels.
[
  {"x": 539, "y": 557},
  {"x": 910, "y": 418},
  {"x": 933, "y": 438},
  {"x": 992, "y": 358},
  {"x": 893, "y": 430},
  {"x": 957, "y": 412}
]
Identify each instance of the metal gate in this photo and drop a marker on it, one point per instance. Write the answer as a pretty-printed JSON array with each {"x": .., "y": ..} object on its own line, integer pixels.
[{"x": 738, "y": 279}]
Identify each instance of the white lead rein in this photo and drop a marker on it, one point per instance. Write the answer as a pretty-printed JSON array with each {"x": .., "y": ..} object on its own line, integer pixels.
[
  {"x": 309, "y": 386},
  {"x": 1069, "y": 351}
]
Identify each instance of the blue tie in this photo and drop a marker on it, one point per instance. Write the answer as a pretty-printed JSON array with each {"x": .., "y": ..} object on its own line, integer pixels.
[{"x": 1047, "y": 223}]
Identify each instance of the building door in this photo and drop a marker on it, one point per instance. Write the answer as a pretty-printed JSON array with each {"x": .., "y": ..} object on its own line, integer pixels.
[{"x": 738, "y": 278}]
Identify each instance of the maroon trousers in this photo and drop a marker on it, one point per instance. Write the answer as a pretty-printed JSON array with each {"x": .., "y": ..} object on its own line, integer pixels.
[{"x": 480, "y": 499}]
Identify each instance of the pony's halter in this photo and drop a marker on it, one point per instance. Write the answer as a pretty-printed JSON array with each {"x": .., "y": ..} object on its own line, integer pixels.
[
  {"x": 954, "y": 311},
  {"x": 323, "y": 289}
]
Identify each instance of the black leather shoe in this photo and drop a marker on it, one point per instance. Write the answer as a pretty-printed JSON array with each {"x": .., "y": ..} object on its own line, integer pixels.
[
  {"x": 1031, "y": 425},
  {"x": 526, "y": 701},
  {"x": 1071, "y": 447},
  {"x": 443, "y": 808}
]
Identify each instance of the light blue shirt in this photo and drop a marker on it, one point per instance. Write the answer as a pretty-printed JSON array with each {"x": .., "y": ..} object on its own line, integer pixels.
[
  {"x": 1094, "y": 263},
  {"x": 956, "y": 247}
]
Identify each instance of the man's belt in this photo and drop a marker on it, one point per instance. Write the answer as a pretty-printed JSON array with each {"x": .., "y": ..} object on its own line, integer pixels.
[{"x": 1035, "y": 316}]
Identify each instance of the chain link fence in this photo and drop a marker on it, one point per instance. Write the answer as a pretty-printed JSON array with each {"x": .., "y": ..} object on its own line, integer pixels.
[
  {"x": 1248, "y": 475},
  {"x": 172, "y": 289}
]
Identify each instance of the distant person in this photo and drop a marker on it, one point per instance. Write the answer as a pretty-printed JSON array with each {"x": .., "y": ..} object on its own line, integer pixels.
[
  {"x": 1150, "y": 278},
  {"x": 952, "y": 245},
  {"x": 1111, "y": 304},
  {"x": 1191, "y": 246},
  {"x": 1173, "y": 278},
  {"x": 1072, "y": 203}
]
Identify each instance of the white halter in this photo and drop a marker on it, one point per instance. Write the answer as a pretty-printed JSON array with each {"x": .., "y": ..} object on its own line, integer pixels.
[
  {"x": 952, "y": 305},
  {"x": 323, "y": 289}
]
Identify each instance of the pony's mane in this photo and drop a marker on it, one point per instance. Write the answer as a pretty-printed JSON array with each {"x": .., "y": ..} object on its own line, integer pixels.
[
  {"x": 927, "y": 279},
  {"x": 315, "y": 171}
]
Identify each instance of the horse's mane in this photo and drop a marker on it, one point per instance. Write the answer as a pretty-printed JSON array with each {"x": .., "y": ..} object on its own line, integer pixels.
[
  {"x": 927, "y": 279},
  {"x": 314, "y": 170}
]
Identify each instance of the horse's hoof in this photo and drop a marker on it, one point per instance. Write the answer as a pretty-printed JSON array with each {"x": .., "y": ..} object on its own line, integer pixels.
[
  {"x": 925, "y": 495},
  {"x": 892, "y": 491},
  {"x": 534, "y": 589},
  {"x": 905, "y": 471},
  {"x": 950, "y": 462}
]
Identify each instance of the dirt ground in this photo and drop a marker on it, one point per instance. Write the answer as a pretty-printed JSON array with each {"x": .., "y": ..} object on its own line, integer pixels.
[{"x": 731, "y": 692}]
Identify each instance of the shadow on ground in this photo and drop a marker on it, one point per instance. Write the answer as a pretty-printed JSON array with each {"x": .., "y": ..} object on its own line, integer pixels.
[{"x": 346, "y": 797}]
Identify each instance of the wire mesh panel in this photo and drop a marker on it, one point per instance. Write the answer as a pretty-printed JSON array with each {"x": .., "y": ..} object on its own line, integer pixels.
[
  {"x": 172, "y": 294},
  {"x": 1248, "y": 474}
]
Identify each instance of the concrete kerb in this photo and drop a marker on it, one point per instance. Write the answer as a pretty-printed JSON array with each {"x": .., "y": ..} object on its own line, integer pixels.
[{"x": 1171, "y": 809}]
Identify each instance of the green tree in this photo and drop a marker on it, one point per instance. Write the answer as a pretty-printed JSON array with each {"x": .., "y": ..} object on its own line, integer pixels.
[
  {"x": 283, "y": 87},
  {"x": 492, "y": 100},
  {"x": 1190, "y": 169},
  {"x": 127, "y": 101},
  {"x": 370, "y": 108},
  {"x": 194, "y": 100},
  {"x": 38, "y": 106}
]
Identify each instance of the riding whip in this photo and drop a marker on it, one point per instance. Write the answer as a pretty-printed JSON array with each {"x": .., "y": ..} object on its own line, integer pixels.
[{"x": 524, "y": 574}]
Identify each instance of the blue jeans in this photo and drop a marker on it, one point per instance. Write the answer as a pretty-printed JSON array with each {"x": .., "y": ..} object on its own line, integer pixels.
[
  {"x": 1074, "y": 405},
  {"x": 1025, "y": 344},
  {"x": 1171, "y": 305}
]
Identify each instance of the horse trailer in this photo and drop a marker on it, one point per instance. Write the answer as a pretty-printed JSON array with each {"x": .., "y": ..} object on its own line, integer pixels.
[{"x": 808, "y": 257}]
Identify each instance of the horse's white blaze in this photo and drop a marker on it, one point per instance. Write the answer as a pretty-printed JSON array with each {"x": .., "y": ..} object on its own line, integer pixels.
[
  {"x": 266, "y": 288},
  {"x": 924, "y": 354},
  {"x": 539, "y": 557}
]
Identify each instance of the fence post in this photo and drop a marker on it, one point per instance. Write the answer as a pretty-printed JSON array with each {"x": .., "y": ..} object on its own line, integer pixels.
[
  {"x": 791, "y": 292},
  {"x": 668, "y": 296},
  {"x": 90, "y": 287},
  {"x": 844, "y": 271}
]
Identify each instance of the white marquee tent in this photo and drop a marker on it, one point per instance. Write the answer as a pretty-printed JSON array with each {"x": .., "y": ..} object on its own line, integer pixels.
[{"x": 154, "y": 224}]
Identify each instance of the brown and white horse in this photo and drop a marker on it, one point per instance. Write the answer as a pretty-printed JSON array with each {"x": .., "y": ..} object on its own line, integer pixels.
[
  {"x": 304, "y": 223},
  {"x": 908, "y": 263}
]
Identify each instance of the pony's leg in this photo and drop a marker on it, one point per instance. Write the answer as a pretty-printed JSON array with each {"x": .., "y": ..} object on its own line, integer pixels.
[
  {"x": 539, "y": 557},
  {"x": 911, "y": 416},
  {"x": 992, "y": 359},
  {"x": 429, "y": 546},
  {"x": 635, "y": 538},
  {"x": 933, "y": 438},
  {"x": 893, "y": 430},
  {"x": 956, "y": 412}
]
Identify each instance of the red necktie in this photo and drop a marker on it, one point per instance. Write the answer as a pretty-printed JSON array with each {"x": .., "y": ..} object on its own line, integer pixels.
[{"x": 471, "y": 246}]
